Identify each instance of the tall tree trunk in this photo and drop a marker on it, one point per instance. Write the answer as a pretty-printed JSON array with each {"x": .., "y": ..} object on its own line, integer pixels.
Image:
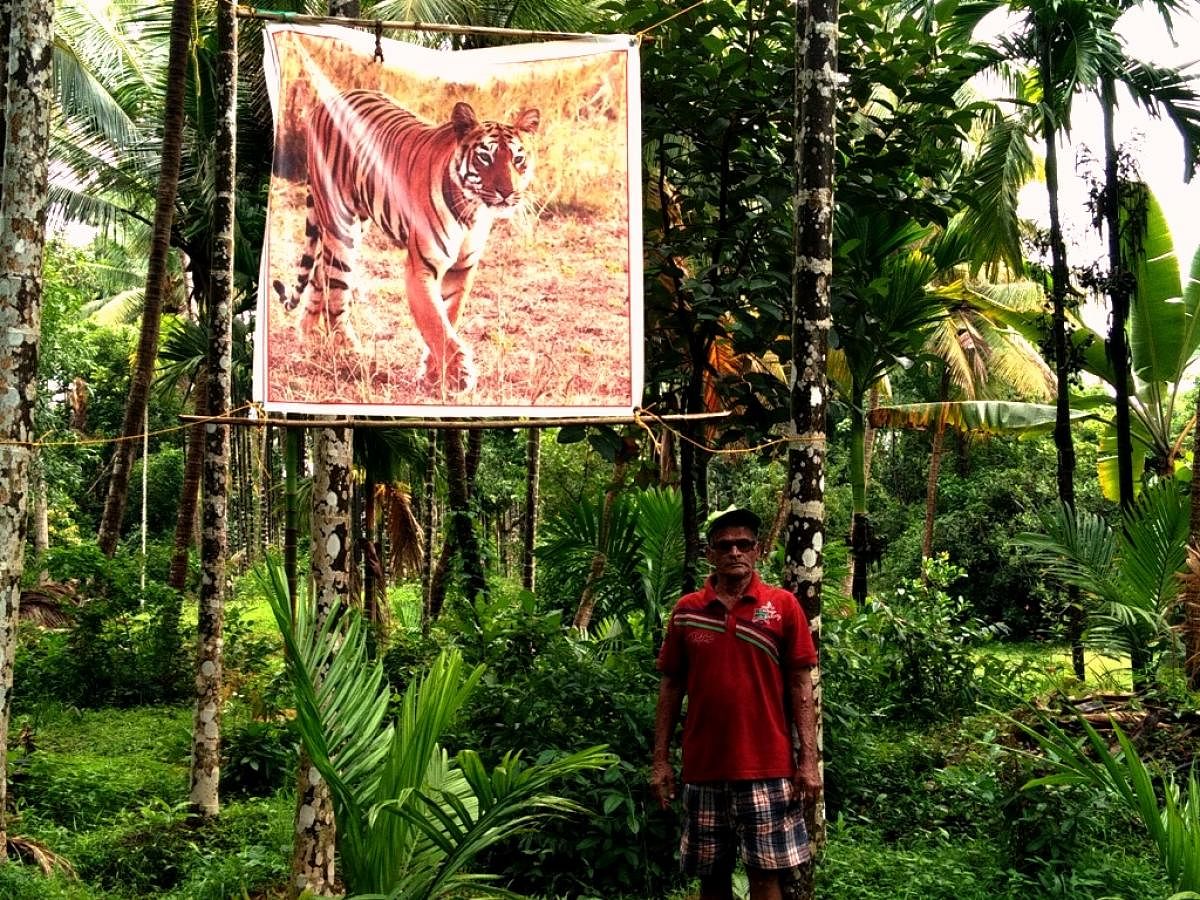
[
  {"x": 40, "y": 519},
  {"x": 1060, "y": 275},
  {"x": 204, "y": 799},
  {"x": 1191, "y": 586},
  {"x": 332, "y": 557},
  {"x": 457, "y": 479},
  {"x": 1120, "y": 289},
  {"x": 533, "y": 464},
  {"x": 428, "y": 486},
  {"x": 816, "y": 106},
  {"x": 23, "y": 187},
  {"x": 156, "y": 270},
  {"x": 193, "y": 470},
  {"x": 935, "y": 465},
  {"x": 293, "y": 463},
  {"x": 860, "y": 523},
  {"x": 690, "y": 466}
]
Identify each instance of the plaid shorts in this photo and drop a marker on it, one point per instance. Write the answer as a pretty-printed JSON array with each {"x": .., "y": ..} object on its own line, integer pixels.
[{"x": 762, "y": 819}]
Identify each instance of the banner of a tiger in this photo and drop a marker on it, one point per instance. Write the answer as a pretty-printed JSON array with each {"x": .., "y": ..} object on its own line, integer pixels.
[{"x": 451, "y": 232}]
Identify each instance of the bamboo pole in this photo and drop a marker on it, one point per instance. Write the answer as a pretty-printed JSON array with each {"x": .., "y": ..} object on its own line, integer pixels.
[
  {"x": 249, "y": 12},
  {"x": 465, "y": 424}
]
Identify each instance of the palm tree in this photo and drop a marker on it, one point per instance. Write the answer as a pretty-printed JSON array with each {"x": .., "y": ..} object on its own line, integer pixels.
[
  {"x": 22, "y": 241},
  {"x": 412, "y": 821},
  {"x": 206, "y": 731},
  {"x": 160, "y": 245},
  {"x": 815, "y": 117}
]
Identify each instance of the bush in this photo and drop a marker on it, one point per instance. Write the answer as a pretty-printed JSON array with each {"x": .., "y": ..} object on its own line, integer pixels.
[
  {"x": 125, "y": 646},
  {"x": 913, "y": 654},
  {"x": 258, "y": 758}
]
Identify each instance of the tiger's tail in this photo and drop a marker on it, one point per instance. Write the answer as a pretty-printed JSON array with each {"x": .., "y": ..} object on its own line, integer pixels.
[{"x": 308, "y": 260}]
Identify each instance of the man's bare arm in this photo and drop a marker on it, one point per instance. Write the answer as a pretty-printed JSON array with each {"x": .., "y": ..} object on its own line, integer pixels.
[
  {"x": 670, "y": 703},
  {"x": 800, "y": 696}
]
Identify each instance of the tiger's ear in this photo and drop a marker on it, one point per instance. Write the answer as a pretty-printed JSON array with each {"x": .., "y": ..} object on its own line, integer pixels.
[
  {"x": 463, "y": 118},
  {"x": 528, "y": 121}
]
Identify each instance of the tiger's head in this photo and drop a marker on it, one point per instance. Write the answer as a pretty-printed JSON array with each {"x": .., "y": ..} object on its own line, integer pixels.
[{"x": 492, "y": 163}]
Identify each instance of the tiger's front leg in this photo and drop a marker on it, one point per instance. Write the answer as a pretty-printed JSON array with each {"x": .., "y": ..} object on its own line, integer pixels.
[{"x": 447, "y": 360}]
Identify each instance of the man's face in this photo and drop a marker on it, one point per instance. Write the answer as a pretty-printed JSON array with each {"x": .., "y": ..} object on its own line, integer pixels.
[{"x": 733, "y": 552}]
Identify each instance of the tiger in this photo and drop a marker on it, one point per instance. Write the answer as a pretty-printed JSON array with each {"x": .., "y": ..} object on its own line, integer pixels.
[{"x": 433, "y": 189}]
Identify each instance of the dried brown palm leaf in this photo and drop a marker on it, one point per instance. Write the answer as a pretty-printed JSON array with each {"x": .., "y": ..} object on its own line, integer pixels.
[
  {"x": 30, "y": 851},
  {"x": 48, "y": 605},
  {"x": 405, "y": 539}
]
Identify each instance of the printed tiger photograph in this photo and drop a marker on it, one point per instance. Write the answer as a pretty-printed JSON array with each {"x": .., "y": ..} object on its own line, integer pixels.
[{"x": 450, "y": 232}]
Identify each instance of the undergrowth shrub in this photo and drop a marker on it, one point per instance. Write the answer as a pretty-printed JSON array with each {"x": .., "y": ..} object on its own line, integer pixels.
[
  {"x": 258, "y": 758},
  {"x": 80, "y": 791},
  {"x": 914, "y": 654},
  {"x": 125, "y": 645}
]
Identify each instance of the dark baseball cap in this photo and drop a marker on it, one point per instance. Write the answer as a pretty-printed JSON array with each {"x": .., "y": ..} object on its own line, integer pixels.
[{"x": 733, "y": 517}]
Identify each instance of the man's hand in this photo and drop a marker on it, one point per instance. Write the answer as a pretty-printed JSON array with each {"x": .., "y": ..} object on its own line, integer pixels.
[
  {"x": 807, "y": 781},
  {"x": 662, "y": 784}
]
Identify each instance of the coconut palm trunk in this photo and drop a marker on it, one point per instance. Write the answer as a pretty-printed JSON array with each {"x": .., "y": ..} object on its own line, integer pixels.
[
  {"x": 815, "y": 117},
  {"x": 156, "y": 269},
  {"x": 204, "y": 798},
  {"x": 23, "y": 187},
  {"x": 332, "y": 558}
]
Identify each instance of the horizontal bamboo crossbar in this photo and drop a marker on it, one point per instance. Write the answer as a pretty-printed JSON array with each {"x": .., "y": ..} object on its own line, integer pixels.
[
  {"x": 640, "y": 418},
  {"x": 268, "y": 15}
]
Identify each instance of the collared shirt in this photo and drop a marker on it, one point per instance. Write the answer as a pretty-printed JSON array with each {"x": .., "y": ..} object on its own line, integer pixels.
[{"x": 734, "y": 662}]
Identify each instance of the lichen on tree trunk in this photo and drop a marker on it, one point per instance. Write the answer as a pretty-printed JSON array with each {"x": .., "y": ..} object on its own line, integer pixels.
[
  {"x": 204, "y": 797},
  {"x": 333, "y": 451},
  {"x": 816, "y": 104},
  {"x": 22, "y": 242}
]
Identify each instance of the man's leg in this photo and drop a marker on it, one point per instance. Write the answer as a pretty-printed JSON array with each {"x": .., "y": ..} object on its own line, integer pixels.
[
  {"x": 718, "y": 886},
  {"x": 764, "y": 884}
]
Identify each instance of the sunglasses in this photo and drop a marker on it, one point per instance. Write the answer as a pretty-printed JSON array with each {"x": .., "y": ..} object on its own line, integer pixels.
[{"x": 745, "y": 545}]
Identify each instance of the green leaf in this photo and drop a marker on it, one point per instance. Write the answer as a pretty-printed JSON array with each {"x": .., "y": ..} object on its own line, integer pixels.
[{"x": 1162, "y": 335}]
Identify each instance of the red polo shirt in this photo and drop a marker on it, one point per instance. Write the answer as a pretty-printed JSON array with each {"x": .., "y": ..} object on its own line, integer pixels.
[{"x": 734, "y": 662}]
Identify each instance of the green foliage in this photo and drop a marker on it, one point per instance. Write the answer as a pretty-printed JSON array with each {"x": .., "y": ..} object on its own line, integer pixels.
[
  {"x": 914, "y": 653},
  {"x": 411, "y": 823},
  {"x": 164, "y": 488},
  {"x": 257, "y": 758},
  {"x": 1129, "y": 573},
  {"x": 1173, "y": 823},
  {"x": 125, "y": 645}
]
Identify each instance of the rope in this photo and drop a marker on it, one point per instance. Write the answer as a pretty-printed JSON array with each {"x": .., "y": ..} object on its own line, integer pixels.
[
  {"x": 141, "y": 436},
  {"x": 720, "y": 451},
  {"x": 683, "y": 12}
]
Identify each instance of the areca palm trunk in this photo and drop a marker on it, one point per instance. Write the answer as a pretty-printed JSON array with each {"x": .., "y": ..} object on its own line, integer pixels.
[
  {"x": 460, "y": 512},
  {"x": 860, "y": 523},
  {"x": 815, "y": 117},
  {"x": 204, "y": 797},
  {"x": 1120, "y": 289},
  {"x": 293, "y": 459},
  {"x": 193, "y": 471},
  {"x": 23, "y": 187},
  {"x": 332, "y": 557},
  {"x": 1059, "y": 275},
  {"x": 587, "y": 600},
  {"x": 156, "y": 270},
  {"x": 533, "y": 461},
  {"x": 935, "y": 465}
]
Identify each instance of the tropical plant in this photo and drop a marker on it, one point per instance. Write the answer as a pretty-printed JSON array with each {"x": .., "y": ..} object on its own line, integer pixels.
[
  {"x": 411, "y": 820},
  {"x": 1130, "y": 572},
  {"x": 1173, "y": 823}
]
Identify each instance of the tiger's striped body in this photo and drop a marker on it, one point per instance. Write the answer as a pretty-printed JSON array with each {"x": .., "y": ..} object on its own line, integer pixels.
[{"x": 433, "y": 189}]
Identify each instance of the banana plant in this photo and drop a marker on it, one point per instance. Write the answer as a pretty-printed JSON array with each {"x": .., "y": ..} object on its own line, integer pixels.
[{"x": 411, "y": 819}]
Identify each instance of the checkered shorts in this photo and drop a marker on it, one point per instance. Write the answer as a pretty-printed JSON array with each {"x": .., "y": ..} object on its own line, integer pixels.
[{"x": 762, "y": 819}]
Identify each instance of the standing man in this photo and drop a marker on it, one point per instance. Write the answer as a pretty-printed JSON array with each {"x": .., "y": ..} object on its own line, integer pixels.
[{"x": 742, "y": 653}]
